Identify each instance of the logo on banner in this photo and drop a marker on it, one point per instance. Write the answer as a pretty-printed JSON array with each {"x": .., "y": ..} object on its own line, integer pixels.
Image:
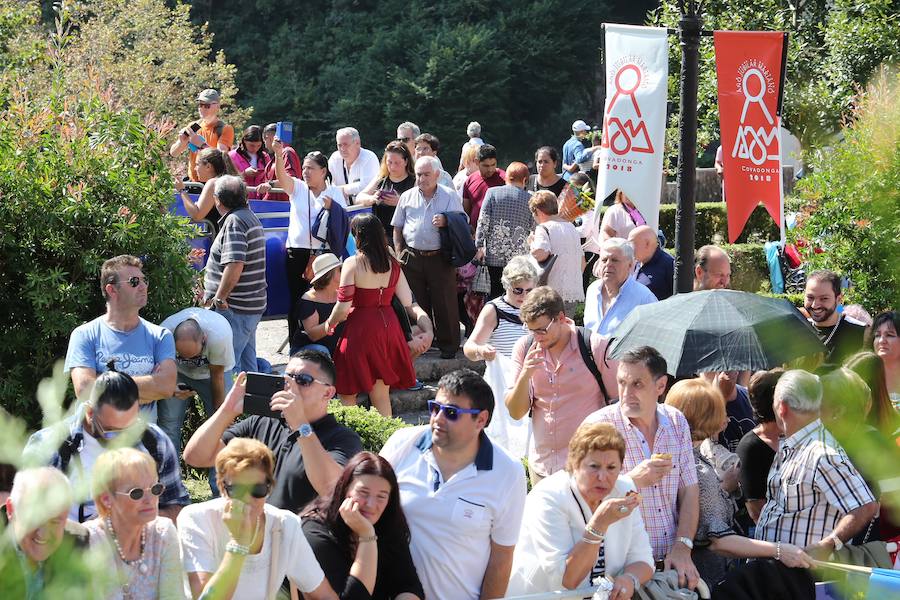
[
  {"x": 758, "y": 144},
  {"x": 628, "y": 135}
]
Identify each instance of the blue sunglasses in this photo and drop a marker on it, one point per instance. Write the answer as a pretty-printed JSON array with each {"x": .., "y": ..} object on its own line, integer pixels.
[{"x": 451, "y": 412}]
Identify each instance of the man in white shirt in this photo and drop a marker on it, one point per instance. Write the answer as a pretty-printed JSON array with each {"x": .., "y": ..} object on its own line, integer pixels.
[
  {"x": 462, "y": 495},
  {"x": 352, "y": 166},
  {"x": 615, "y": 293}
]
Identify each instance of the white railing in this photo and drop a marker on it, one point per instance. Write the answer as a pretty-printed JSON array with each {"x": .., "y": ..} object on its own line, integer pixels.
[{"x": 576, "y": 594}]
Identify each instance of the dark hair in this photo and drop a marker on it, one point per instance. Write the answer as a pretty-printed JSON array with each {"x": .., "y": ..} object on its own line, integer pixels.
[
  {"x": 109, "y": 272},
  {"x": 888, "y": 316},
  {"x": 271, "y": 127},
  {"x": 188, "y": 329},
  {"x": 827, "y": 275},
  {"x": 543, "y": 301},
  {"x": 468, "y": 383},
  {"x": 580, "y": 178},
  {"x": 320, "y": 359},
  {"x": 322, "y": 282},
  {"x": 218, "y": 160},
  {"x": 486, "y": 151},
  {"x": 431, "y": 140},
  {"x": 231, "y": 191},
  {"x": 115, "y": 389},
  {"x": 371, "y": 241},
  {"x": 551, "y": 152},
  {"x": 649, "y": 357},
  {"x": 870, "y": 367},
  {"x": 391, "y": 527},
  {"x": 762, "y": 393},
  {"x": 252, "y": 134},
  {"x": 322, "y": 161},
  {"x": 396, "y": 148}
]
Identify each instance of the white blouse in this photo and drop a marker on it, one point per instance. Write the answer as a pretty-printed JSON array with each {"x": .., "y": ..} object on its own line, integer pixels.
[
  {"x": 305, "y": 207},
  {"x": 554, "y": 522}
]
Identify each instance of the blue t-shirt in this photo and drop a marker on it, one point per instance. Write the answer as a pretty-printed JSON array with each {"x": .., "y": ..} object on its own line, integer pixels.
[
  {"x": 137, "y": 352},
  {"x": 658, "y": 274},
  {"x": 740, "y": 419}
]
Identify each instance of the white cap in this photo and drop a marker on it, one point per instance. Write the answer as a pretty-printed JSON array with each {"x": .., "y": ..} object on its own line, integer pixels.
[{"x": 580, "y": 125}]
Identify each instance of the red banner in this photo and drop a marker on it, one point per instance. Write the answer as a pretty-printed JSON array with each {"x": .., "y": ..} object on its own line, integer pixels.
[{"x": 749, "y": 65}]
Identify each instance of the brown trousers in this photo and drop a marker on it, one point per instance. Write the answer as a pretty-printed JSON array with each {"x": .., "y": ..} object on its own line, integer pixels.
[{"x": 433, "y": 284}]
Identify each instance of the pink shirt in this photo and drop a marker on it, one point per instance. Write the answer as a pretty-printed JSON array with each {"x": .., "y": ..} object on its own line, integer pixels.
[
  {"x": 562, "y": 394},
  {"x": 659, "y": 503}
]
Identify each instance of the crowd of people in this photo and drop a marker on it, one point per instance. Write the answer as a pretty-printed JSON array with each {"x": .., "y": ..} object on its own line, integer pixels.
[{"x": 630, "y": 471}]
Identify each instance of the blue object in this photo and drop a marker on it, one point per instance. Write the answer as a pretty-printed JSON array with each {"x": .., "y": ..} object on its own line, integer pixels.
[
  {"x": 194, "y": 148},
  {"x": 884, "y": 584},
  {"x": 776, "y": 278},
  {"x": 284, "y": 131}
]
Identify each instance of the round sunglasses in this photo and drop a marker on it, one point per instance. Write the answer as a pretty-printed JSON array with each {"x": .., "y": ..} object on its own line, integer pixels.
[{"x": 137, "y": 493}]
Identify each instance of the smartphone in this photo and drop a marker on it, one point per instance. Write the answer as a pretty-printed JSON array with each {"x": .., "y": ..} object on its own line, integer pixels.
[
  {"x": 260, "y": 389},
  {"x": 284, "y": 131},
  {"x": 183, "y": 387},
  {"x": 195, "y": 127}
]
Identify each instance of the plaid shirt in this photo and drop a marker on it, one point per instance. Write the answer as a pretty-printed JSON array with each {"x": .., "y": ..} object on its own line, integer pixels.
[
  {"x": 811, "y": 486},
  {"x": 659, "y": 503},
  {"x": 164, "y": 454}
]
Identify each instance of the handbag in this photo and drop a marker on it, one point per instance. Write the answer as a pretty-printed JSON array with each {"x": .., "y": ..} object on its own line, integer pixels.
[
  {"x": 546, "y": 265},
  {"x": 482, "y": 281}
]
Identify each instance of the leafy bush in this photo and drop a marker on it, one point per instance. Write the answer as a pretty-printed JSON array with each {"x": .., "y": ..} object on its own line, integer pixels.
[
  {"x": 373, "y": 428},
  {"x": 853, "y": 201},
  {"x": 81, "y": 181},
  {"x": 749, "y": 269},
  {"x": 712, "y": 224}
]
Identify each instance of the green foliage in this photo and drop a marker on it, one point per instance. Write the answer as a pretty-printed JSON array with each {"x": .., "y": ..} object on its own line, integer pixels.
[
  {"x": 81, "y": 182},
  {"x": 373, "y": 428},
  {"x": 749, "y": 269},
  {"x": 852, "y": 201},
  {"x": 712, "y": 224}
]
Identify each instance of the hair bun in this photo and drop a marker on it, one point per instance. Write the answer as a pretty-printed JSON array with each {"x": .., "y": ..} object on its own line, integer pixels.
[{"x": 111, "y": 365}]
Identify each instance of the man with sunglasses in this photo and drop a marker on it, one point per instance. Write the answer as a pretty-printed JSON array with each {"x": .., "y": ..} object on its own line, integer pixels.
[
  {"x": 207, "y": 132},
  {"x": 561, "y": 376},
  {"x": 310, "y": 446},
  {"x": 407, "y": 132},
  {"x": 462, "y": 495},
  {"x": 204, "y": 355},
  {"x": 143, "y": 350}
]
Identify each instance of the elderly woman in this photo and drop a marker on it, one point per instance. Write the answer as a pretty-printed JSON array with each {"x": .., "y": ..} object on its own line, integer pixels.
[
  {"x": 620, "y": 218},
  {"x": 560, "y": 238},
  {"x": 584, "y": 523},
  {"x": 316, "y": 305},
  {"x": 757, "y": 448},
  {"x": 238, "y": 546},
  {"x": 212, "y": 163},
  {"x": 360, "y": 536},
  {"x": 143, "y": 547},
  {"x": 496, "y": 331},
  {"x": 718, "y": 538}
]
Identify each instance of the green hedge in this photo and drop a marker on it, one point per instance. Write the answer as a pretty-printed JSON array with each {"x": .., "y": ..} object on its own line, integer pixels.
[{"x": 369, "y": 424}]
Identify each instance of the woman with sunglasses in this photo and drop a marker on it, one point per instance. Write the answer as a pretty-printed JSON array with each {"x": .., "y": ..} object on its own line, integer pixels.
[
  {"x": 251, "y": 160},
  {"x": 237, "y": 545},
  {"x": 143, "y": 547},
  {"x": 372, "y": 355},
  {"x": 212, "y": 163},
  {"x": 360, "y": 536},
  {"x": 397, "y": 175},
  {"x": 496, "y": 331}
]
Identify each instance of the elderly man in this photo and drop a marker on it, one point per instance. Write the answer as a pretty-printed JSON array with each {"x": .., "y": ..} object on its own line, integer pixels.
[
  {"x": 615, "y": 293},
  {"x": 712, "y": 269},
  {"x": 143, "y": 350},
  {"x": 659, "y": 458},
  {"x": 352, "y": 166},
  {"x": 419, "y": 215},
  {"x": 428, "y": 145},
  {"x": 816, "y": 498},
  {"x": 208, "y": 132},
  {"x": 657, "y": 267},
  {"x": 310, "y": 446},
  {"x": 204, "y": 354},
  {"x": 842, "y": 335},
  {"x": 407, "y": 132},
  {"x": 43, "y": 540},
  {"x": 234, "y": 284},
  {"x": 462, "y": 495},
  {"x": 574, "y": 153},
  {"x": 478, "y": 183},
  {"x": 473, "y": 131}
]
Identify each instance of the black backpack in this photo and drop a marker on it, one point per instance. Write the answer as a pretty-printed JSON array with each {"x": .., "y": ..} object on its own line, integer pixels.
[{"x": 586, "y": 355}]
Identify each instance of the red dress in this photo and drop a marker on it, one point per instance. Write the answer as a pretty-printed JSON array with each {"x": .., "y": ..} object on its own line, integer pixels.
[{"x": 373, "y": 346}]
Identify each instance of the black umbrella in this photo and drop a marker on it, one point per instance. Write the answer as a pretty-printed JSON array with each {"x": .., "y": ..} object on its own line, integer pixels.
[{"x": 718, "y": 330}]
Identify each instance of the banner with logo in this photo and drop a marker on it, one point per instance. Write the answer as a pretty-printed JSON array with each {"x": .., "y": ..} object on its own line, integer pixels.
[
  {"x": 634, "y": 118},
  {"x": 750, "y": 69}
]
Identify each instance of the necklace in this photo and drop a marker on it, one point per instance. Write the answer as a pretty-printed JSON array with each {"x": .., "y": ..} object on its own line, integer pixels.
[
  {"x": 833, "y": 330},
  {"x": 141, "y": 565}
]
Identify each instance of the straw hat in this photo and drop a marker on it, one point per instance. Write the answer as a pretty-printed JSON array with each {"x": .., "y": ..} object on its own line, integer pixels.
[{"x": 323, "y": 265}]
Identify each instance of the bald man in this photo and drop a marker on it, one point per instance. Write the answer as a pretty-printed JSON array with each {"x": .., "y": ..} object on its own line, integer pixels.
[
  {"x": 657, "y": 267},
  {"x": 712, "y": 269}
]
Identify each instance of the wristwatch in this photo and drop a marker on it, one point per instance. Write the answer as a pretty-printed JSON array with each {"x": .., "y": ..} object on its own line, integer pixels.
[
  {"x": 686, "y": 541},
  {"x": 218, "y": 301},
  {"x": 838, "y": 544},
  {"x": 305, "y": 430}
]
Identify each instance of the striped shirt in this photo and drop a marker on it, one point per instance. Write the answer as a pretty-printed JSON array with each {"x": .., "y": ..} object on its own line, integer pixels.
[
  {"x": 240, "y": 239},
  {"x": 811, "y": 486},
  {"x": 659, "y": 502},
  {"x": 507, "y": 332}
]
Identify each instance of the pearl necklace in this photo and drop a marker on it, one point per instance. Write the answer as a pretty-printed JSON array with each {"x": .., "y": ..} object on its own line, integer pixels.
[{"x": 141, "y": 565}]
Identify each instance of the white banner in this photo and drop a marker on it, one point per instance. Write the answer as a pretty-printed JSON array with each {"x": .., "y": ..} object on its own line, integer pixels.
[{"x": 634, "y": 118}]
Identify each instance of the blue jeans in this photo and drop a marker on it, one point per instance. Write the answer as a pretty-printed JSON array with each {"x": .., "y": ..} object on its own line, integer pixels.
[{"x": 243, "y": 329}]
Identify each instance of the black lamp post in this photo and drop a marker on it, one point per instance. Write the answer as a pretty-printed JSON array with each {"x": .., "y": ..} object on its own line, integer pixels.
[{"x": 685, "y": 215}]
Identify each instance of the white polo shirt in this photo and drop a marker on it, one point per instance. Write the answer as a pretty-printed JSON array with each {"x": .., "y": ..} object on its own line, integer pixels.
[
  {"x": 360, "y": 174},
  {"x": 453, "y": 522}
]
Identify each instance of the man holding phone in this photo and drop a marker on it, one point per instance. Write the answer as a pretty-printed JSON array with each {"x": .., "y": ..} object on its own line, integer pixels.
[
  {"x": 208, "y": 132},
  {"x": 310, "y": 446}
]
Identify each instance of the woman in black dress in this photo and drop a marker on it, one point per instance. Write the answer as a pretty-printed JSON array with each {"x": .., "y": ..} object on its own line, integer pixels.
[{"x": 359, "y": 534}]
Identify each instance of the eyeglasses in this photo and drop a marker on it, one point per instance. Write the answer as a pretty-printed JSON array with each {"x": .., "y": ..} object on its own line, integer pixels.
[
  {"x": 134, "y": 281},
  {"x": 541, "y": 330},
  {"x": 451, "y": 412},
  {"x": 194, "y": 361},
  {"x": 257, "y": 490},
  {"x": 204, "y": 105},
  {"x": 101, "y": 433},
  {"x": 304, "y": 379},
  {"x": 137, "y": 493},
  {"x": 519, "y": 291}
]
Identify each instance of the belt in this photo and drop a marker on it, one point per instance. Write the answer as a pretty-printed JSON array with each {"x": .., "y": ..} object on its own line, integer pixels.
[{"x": 424, "y": 252}]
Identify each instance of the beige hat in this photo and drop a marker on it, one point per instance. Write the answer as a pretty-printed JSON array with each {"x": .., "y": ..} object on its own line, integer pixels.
[
  {"x": 209, "y": 96},
  {"x": 323, "y": 265}
]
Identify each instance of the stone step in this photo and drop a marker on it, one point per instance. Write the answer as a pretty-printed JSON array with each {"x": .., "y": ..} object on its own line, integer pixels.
[{"x": 431, "y": 367}]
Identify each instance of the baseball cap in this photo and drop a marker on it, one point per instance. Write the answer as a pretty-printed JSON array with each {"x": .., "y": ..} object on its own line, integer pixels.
[
  {"x": 580, "y": 125},
  {"x": 208, "y": 95}
]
